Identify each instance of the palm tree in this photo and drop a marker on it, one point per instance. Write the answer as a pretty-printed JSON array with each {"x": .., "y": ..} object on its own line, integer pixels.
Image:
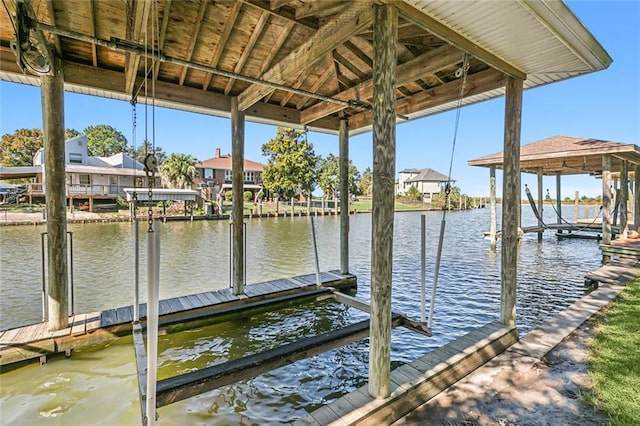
[{"x": 179, "y": 170}]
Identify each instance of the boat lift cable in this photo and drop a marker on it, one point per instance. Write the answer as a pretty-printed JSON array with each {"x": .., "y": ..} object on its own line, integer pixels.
[
  {"x": 460, "y": 73},
  {"x": 573, "y": 227},
  {"x": 536, "y": 213}
]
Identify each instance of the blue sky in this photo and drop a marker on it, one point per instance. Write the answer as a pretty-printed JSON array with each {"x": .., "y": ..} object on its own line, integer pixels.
[{"x": 604, "y": 105}]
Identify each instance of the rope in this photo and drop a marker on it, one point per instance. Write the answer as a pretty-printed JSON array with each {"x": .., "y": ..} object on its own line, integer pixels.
[
  {"x": 461, "y": 72},
  {"x": 573, "y": 227},
  {"x": 536, "y": 213}
]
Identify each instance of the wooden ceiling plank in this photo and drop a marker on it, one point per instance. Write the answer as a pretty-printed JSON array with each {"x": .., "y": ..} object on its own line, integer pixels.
[
  {"x": 348, "y": 65},
  {"x": 228, "y": 27},
  {"x": 483, "y": 81},
  {"x": 357, "y": 16},
  {"x": 163, "y": 35},
  {"x": 282, "y": 13},
  {"x": 246, "y": 53},
  {"x": 440, "y": 30},
  {"x": 422, "y": 65},
  {"x": 194, "y": 38},
  {"x": 318, "y": 84},
  {"x": 277, "y": 4},
  {"x": 141, "y": 17},
  {"x": 277, "y": 45},
  {"x": 296, "y": 85},
  {"x": 359, "y": 53}
]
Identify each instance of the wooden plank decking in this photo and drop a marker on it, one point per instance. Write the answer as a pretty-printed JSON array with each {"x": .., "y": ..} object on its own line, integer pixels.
[
  {"x": 618, "y": 271},
  {"x": 33, "y": 341},
  {"x": 417, "y": 381},
  {"x": 623, "y": 248}
]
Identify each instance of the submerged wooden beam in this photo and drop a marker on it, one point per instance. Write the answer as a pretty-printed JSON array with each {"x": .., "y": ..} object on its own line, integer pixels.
[
  {"x": 187, "y": 385},
  {"x": 511, "y": 201},
  {"x": 385, "y": 36},
  {"x": 55, "y": 187}
]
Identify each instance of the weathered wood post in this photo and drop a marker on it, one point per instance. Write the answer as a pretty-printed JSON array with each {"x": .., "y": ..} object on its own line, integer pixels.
[
  {"x": 237, "y": 165},
  {"x": 54, "y": 145},
  {"x": 576, "y": 206},
  {"x": 492, "y": 208},
  {"x": 606, "y": 203},
  {"x": 559, "y": 197},
  {"x": 540, "y": 206},
  {"x": 385, "y": 35},
  {"x": 624, "y": 197},
  {"x": 636, "y": 198},
  {"x": 511, "y": 200},
  {"x": 344, "y": 196}
]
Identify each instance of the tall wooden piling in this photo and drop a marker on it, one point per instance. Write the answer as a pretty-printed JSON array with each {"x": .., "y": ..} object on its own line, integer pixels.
[
  {"x": 576, "y": 206},
  {"x": 344, "y": 197},
  {"x": 385, "y": 34},
  {"x": 492, "y": 214},
  {"x": 53, "y": 123},
  {"x": 559, "y": 198},
  {"x": 237, "y": 212},
  {"x": 511, "y": 200},
  {"x": 624, "y": 197},
  {"x": 606, "y": 202},
  {"x": 540, "y": 206}
]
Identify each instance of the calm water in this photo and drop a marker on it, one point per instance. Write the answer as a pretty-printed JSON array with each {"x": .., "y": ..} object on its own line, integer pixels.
[{"x": 195, "y": 257}]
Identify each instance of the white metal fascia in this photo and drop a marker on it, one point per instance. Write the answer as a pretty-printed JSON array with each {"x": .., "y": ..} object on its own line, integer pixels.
[{"x": 559, "y": 19}]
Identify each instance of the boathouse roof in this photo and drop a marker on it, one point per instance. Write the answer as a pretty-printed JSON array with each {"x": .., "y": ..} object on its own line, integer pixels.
[
  {"x": 567, "y": 155},
  {"x": 298, "y": 62}
]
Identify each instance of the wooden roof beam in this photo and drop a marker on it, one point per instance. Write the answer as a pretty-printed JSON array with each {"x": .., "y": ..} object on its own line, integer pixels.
[
  {"x": 425, "y": 64},
  {"x": 226, "y": 31},
  {"x": 357, "y": 16},
  {"x": 440, "y": 30},
  {"x": 285, "y": 14},
  {"x": 277, "y": 45},
  {"x": 54, "y": 37},
  {"x": 277, "y": 4},
  {"x": 255, "y": 35},
  {"x": 314, "y": 88},
  {"x": 141, "y": 17},
  {"x": 163, "y": 35},
  {"x": 476, "y": 83},
  {"x": 316, "y": 7},
  {"x": 92, "y": 30},
  {"x": 194, "y": 38}
]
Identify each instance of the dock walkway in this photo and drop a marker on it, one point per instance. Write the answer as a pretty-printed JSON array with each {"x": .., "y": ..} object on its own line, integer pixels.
[{"x": 35, "y": 341}]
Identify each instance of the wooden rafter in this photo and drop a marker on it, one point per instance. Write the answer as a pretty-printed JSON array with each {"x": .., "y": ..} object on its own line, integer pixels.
[
  {"x": 286, "y": 14},
  {"x": 141, "y": 17},
  {"x": 53, "y": 37},
  {"x": 351, "y": 46},
  {"x": 248, "y": 49},
  {"x": 316, "y": 7},
  {"x": 92, "y": 30},
  {"x": 277, "y": 4},
  {"x": 302, "y": 77},
  {"x": 355, "y": 17},
  {"x": 450, "y": 92},
  {"x": 163, "y": 34},
  {"x": 226, "y": 31},
  {"x": 422, "y": 65},
  {"x": 194, "y": 38},
  {"x": 348, "y": 65}
]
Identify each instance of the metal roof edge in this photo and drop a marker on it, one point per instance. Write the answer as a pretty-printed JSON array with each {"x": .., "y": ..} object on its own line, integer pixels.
[{"x": 557, "y": 16}]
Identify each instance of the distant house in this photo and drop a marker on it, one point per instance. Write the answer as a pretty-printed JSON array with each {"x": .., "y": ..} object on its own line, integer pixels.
[
  {"x": 88, "y": 178},
  {"x": 215, "y": 175},
  {"x": 428, "y": 181}
]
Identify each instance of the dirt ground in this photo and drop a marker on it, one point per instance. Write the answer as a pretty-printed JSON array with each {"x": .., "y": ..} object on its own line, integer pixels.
[{"x": 545, "y": 392}]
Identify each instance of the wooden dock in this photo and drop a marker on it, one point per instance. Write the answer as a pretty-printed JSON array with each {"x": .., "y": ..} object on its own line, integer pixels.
[
  {"x": 629, "y": 248},
  {"x": 417, "y": 381},
  {"x": 35, "y": 341}
]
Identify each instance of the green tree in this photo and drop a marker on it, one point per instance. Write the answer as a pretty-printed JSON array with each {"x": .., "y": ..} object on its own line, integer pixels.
[
  {"x": 104, "y": 140},
  {"x": 365, "y": 182},
  {"x": 414, "y": 194},
  {"x": 441, "y": 201},
  {"x": 141, "y": 152},
  {"x": 291, "y": 163},
  {"x": 19, "y": 148},
  {"x": 179, "y": 170},
  {"x": 329, "y": 176}
]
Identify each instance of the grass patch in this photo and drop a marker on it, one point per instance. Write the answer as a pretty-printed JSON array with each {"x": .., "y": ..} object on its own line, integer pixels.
[{"x": 615, "y": 359}]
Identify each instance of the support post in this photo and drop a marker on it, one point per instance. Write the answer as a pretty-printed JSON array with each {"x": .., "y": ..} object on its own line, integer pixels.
[
  {"x": 237, "y": 166},
  {"x": 53, "y": 123},
  {"x": 511, "y": 200},
  {"x": 636, "y": 198},
  {"x": 576, "y": 207},
  {"x": 385, "y": 35},
  {"x": 559, "y": 197},
  {"x": 624, "y": 197},
  {"x": 492, "y": 206},
  {"x": 344, "y": 197},
  {"x": 540, "y": 206},
  {"x": 606, "y": 203}
]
